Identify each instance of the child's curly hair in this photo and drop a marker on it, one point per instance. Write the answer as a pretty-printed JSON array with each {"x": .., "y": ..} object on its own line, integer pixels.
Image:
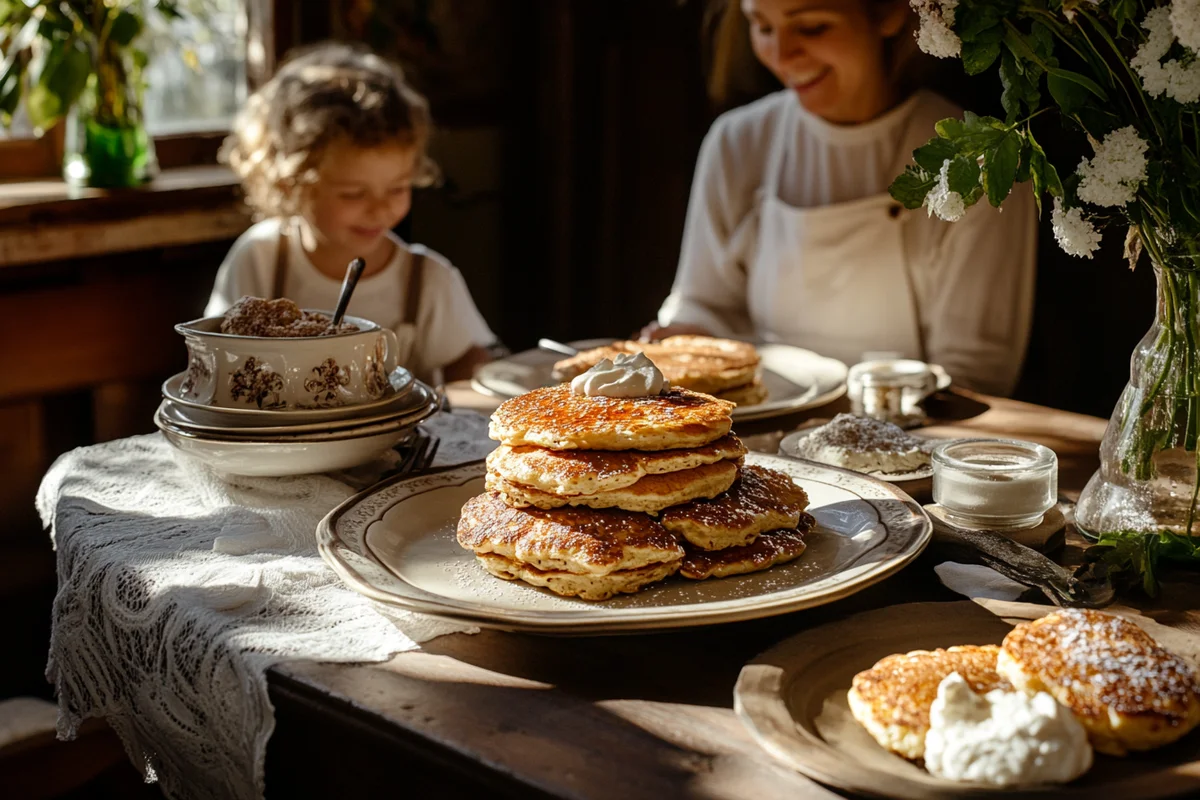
[{"x": 325, "y": 93}]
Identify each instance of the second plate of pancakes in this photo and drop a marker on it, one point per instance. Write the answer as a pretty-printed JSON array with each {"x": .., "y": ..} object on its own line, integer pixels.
[
  {"x": 792, "y": 379},
  {"x": 396, "y": 544},
  {"x": 794, "y": 700}
]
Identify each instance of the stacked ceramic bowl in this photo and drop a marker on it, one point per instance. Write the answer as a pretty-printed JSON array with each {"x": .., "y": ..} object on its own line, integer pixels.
[{"x": 273, "y": 406}]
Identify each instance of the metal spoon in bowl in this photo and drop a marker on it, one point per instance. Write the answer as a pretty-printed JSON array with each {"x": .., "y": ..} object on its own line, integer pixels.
[{"x": 354, "y": 271}]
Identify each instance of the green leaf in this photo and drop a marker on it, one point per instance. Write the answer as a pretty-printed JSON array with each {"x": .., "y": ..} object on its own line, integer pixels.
[
  {"x": 979, "y": 141},
  {"x": 125, "y": 28},
  {"x": 10, "y": 90},
  {"x": 1133, "y": 555},
  {"x": 911, "y": 187},
  {"x": 1000, "y": 168},
  {"x": 1071, "y": 97},
  {"x": 169, "y": 9},
  {"x": 1023, "y": 170},
  {"x": 1042, "y": 43},
  {"x": 950, "y": 128},
  {"x": 1123, "y": 12},
  {"x": 62, "y": 79},
  {"x": 974, "y": 122},
  {"x": 963, "y": 175},
  {"x": 973, "y": 21},
  {"x": 1045, "y": 176},
  {"x": 1075, "y": 77},
  {"x": 979, "y": 55},
  {"x": 1053, "y": 184},
  {"x": 931, "y": 155},
  {"x": 1020, "y": 86}
]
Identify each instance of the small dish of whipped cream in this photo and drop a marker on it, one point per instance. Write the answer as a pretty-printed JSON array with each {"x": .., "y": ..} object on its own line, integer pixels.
[
  {"x": 862, "y": 444},
  {"x": 1003, "y": 738}
]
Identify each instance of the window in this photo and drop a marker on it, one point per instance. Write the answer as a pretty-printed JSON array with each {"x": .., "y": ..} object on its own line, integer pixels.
[
  {"x": 195, "y": 83},
  {"x": 20, "y": 128},
  {"x": 196, "y": 77}
]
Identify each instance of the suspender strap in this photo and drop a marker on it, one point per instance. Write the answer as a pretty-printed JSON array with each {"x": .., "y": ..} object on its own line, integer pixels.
[
  {"x": 412, "y": 295},
  {"x": 281, "y": 263}
]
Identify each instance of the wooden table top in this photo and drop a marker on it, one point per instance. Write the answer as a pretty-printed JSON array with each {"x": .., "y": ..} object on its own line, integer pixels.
[{"x": 636, "y": 716}]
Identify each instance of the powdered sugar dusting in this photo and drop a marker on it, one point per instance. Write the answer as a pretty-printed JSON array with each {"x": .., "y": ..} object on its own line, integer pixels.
[
  {"x": 864, "y": 444},
  {"x": 865, "y": 435},
  {"x": 1116, "y": 663}
]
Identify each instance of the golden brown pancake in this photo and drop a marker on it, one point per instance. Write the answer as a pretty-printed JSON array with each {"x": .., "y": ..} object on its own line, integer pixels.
[
  {"x": 749, "y": 395},
  {"x": 1126, "y": 690},
  {"x": 575, "y": 472},
  {"x": 761, "y": 500},
  {"x": 650, "y": 495},
  {"x": 767, "y": 550},
  {"x": 579, "y": 540},
  {"x": 557, "y": 419},
  {"x": 892, "y": 699},
  {"x": 700, "y": 363},
  {"x": 572, "y": 584}
]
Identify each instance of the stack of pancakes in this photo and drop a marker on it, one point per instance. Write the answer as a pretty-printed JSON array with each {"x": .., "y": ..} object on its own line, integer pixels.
[
  {"x": 594, "y": 496},
  {"x": 1127, "y": 691},
  {"x": 727, "y": 369}
]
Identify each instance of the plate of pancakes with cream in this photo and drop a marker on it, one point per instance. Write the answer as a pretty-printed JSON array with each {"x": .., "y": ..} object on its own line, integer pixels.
[
  {"x": 762, "y": 381},
  {"x": 619, "y": 502},
  {"x": 966, "y": 699}
]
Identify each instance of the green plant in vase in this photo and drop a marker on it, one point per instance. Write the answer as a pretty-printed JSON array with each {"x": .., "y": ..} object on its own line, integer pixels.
[
  {"x": 78, "y": 61},
  {"x": 1125, "y": 74}
]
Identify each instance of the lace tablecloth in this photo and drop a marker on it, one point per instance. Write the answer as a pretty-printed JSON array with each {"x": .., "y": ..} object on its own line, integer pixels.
[{"x": 177, "y": 590}]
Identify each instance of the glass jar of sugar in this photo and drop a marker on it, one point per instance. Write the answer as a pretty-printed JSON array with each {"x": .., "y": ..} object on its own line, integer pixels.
[{"x": 994, "y": 484}]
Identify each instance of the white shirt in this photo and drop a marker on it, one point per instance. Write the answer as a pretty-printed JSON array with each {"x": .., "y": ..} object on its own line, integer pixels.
[
  {"x": 447, "y": 325},
  {"x": 973, "y": 280}
]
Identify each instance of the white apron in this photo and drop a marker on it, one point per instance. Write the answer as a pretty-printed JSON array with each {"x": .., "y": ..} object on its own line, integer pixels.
[{"x": 833, "y": 279}]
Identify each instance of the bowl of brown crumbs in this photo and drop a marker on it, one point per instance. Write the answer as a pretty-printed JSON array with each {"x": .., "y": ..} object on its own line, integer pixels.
[{"x": 273, "y": 355}]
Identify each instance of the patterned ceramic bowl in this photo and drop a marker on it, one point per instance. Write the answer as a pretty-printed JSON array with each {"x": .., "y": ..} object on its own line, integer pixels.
[{"x": 287, "y": 373}]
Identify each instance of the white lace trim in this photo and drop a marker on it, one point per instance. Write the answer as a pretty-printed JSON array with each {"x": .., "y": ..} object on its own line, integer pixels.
[{"x": 170, "y": 640}]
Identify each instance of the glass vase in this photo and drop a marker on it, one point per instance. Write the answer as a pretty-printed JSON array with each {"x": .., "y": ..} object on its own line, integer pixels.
[
  {"x": 1147, "y": 481},
  {"x": 105, "y": 156}
]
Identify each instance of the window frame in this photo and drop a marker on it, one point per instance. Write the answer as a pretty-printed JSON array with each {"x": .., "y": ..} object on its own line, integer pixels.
[{"x": 269, "y": 31}]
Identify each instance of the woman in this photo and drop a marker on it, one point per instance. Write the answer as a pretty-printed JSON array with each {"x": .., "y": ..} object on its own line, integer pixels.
[{"x": 792, "y": 237}]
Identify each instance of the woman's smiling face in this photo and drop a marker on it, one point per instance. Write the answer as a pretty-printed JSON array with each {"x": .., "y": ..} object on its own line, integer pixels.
[{"x": 831, "y": 53}]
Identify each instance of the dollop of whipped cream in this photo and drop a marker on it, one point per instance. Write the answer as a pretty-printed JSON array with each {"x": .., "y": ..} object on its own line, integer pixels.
[
  {"x": 1003, "y": 738},
  {"x": 628, "y": 375}
]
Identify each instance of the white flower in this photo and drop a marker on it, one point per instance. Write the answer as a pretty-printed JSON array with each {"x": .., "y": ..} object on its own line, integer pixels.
[
  {"x": 936, "y": 35},
  {"x": 1113, "y": 175},
  {"x": 1075, "y": 234},
  {"x": 1185, "y": 23},
  {"x": 1178, "y": 81},
  {"x": 946, "y": 204}
]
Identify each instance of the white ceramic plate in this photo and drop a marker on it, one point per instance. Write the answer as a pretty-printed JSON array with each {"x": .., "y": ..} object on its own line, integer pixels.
[
  {"x": 395, "y": 543},
  {"x": 789, "y": 446},
  {"x": 403, "y": 422},
  {"x": 796, "y": 379},
  {"x": 400, "y": 379},
  {"x": 190, "y": 420},
  {"x": 277, "y": 459}
]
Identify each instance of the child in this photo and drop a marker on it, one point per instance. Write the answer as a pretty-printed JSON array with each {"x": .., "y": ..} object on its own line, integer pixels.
[
  {"x": 791, "y": 235},
  {"x": 328, "y": 152}
]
